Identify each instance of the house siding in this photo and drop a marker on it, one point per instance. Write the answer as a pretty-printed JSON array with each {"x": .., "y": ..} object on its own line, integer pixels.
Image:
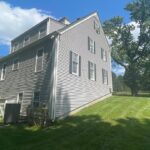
[
  {"x": 25, "y": 79},
  {"x": 76, "y": 91},
  {"x": 54, "y": 25}
]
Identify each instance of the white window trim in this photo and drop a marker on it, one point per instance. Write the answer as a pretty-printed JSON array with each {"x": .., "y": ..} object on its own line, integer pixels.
[
  {"x": 94, "y": 77},
  {"x": 91, "y": 45},
  {"x": 2, "y": 74},
  {"x": 37, "y": 59},
  {"x": 18, "y": 97},
  {"x": 104, "y": 57},
  {"x": 105, "y": 77},
  {"x": 77, "y": 74},
  {"x": 39, "y": 33},
  {"x": 96, "y": 27},
  {"x": 13, "y": 64},
  {"x": 24, "y": 42}
]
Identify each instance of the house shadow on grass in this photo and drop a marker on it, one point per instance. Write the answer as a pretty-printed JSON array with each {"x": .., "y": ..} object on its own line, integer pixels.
[{"x": 79, "y": 133}]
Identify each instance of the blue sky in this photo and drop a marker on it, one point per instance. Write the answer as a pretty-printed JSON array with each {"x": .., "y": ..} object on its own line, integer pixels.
[{"x": 57, "y": 8}]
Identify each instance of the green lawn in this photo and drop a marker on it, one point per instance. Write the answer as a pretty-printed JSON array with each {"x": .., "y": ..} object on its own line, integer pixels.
[{"x": 117, "y": 123}]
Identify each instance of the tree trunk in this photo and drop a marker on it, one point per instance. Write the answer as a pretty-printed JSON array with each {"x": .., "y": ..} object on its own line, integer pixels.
[{"x": 134, "y": 91}]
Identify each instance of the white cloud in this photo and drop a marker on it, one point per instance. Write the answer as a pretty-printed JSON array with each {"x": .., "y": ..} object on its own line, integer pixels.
[
  {"x": 136, "y": 31},
  {"x": 15, "y": 20}
]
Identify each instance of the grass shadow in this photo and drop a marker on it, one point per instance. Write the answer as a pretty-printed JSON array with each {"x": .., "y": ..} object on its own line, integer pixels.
[{"x": 79, "y": 133}]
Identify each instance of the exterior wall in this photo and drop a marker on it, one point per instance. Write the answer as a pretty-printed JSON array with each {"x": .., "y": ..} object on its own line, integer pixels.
[
  {"x": 55, "y": 25},
  {"x": 34, "y": 35},
  {"x": 76, "y": 91},
  {"x": 25, "y": 79}
]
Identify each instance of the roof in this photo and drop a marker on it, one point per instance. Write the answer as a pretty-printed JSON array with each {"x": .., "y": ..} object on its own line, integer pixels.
[
  {"x": 60, "y": 31},
  {"x": 73, "y": 24}
]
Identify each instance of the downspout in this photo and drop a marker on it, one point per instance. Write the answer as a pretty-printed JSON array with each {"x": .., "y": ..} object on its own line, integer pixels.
[{"x": 53, "y": 84}]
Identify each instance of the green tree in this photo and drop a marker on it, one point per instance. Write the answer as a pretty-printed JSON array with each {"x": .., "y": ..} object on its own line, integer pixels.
[
  {"x": 126, "y": 50},
  {"x": 118, "y": 83}
]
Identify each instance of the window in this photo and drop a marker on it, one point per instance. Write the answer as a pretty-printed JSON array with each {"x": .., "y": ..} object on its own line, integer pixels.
[
  {"x": 3, "y": 72},
  {"x": 26, "y": 40},
  {"x": 75, "y": 63},
  {"x": 91, "y": 45},
  {"x": 103, "y": 54},
  {"x": 92, "y": 71},
  {"x": 104, "y": 76},
  {"x": 42, "y": 32},
  {"x": 15, "y": 47},
  {"x": 96, "y": 27},
  {"x": 39, "y": 60},
  {"x": 36, "y": 99},
  {"x": 15, "y": 64},
  {"x": 20, "y": 98}
]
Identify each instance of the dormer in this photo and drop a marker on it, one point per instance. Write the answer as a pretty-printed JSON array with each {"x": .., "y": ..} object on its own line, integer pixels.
[{"x": 35, "y": 33}]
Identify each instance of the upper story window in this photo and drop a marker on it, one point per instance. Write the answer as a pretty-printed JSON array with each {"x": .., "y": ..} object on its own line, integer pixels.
[
  {"x": 91, "y": 45},
  {"x": 42, "y": 32},
  {"x": 103, "y": 54},
  {"x": 36, "y": 99},
  {"x": 39, "y": 60},
  {"x": 96, "y": 27},
  {"x": 105, "y": 76},
  {"x": 26, "y": 40},
  {"x": 92, "y": 71},
  {"x": 15, "y": 64},
  {"x": 15, "y": 47},
  {"x": 3, "y": 72},
  {"x": 75, "y": 63}
]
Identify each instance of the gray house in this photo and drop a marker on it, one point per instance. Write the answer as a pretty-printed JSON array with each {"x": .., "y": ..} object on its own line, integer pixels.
[{"x": 59, "y": 64}]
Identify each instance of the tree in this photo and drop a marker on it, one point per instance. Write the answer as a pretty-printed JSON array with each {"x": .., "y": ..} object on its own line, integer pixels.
[
  {"x": 118, "y": 83},
  {"x": 127, "y": 51}
]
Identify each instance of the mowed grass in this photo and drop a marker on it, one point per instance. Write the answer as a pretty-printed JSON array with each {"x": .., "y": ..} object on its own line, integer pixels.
[{"x": 117, "y": 123}]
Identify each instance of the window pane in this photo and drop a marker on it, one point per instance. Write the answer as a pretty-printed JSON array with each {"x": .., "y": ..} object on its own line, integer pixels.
[
  {"x": 40, "y": 53},
  {"x": 39, "y": 60},
  {"x": 75, "y": 63},
  {"x": 3, "y": 72},
  {"x": 74, "y": 67},
  {"x": 105, "y": 76},
  {"x": 20, "y": 97},
  {"x": 92, "y": 71},
  {"x": 16, "y": 64}
]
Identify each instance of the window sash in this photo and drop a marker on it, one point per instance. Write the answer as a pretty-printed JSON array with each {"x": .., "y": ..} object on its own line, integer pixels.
[
  {"x": 91, "y": 44},
  {"x": 26, "y": 40},
  {"x": 15, "y": 64},
  {"x": 97, "y": 27},
  {"x": 75, "y": 63},
  {"x": 92, "y": 71},
  {"x": 39, "y": 60},
  {"x": 103, "y": 54},
  {"x": 3, "y": 72},
  {"x": 42, "y": 32},
  {"x": 105, "y": 76},
  {"x": 20, "y": 97}
]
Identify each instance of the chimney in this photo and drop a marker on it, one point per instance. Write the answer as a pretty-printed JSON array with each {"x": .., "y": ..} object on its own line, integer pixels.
[{"x": 65, "y": 21}]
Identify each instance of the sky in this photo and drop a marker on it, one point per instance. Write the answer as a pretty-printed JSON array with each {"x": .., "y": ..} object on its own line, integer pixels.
[{"x": 16, "y": 16}]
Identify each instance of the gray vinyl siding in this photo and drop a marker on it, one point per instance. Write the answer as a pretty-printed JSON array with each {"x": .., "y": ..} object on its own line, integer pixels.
[
  {"x": 75, "y": 91},
  {"x": 25, "y": 79},
  {"x": 33, "y": 33},
  {"x": 55, "y": 25}
]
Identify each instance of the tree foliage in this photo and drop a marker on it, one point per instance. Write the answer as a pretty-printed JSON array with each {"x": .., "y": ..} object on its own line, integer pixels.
[{"x": 127, "y": 51}]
